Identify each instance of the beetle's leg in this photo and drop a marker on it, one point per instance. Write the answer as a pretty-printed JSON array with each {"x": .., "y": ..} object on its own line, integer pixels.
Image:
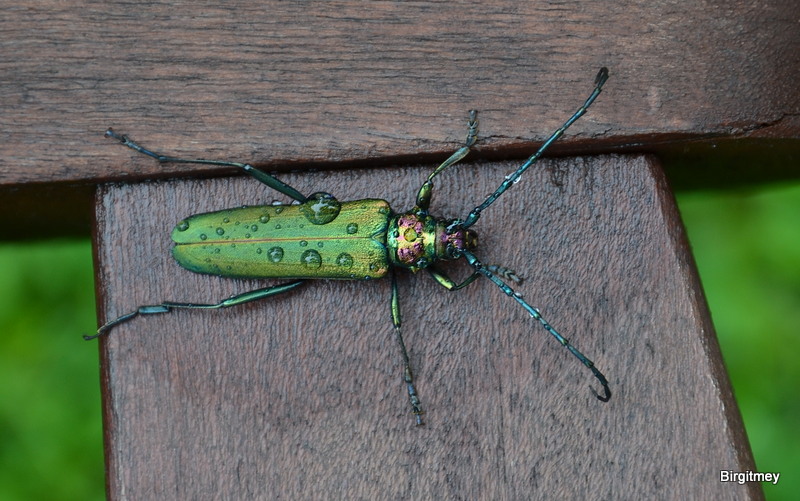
[
  {"x": 262, "y": 176},
  {"x": 167, "y": 306},
  {"x": 480, "y": 268},
  {"x": 408, "y": 377},
  {"x": 445, "y": 281},
  {"x": 448, "y": 283},
  {"x": 504, "y": 272},
  {"x": 512, "y": 178},
  {"x": 426, "y": 190}
]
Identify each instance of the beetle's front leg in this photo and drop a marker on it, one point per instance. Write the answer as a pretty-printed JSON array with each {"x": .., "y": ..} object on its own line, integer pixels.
[
  {"x": 408, "y": 377},
  {"x": 426, "y": 190},
  {"x": 447, "y": 282}
]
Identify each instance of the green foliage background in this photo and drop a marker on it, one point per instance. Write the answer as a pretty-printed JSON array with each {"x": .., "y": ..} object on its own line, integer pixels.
[
  {"x": 747, "y": 247},
  {"x": 51, "y": 444}
]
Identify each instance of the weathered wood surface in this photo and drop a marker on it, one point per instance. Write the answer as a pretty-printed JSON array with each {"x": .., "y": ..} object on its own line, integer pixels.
[
  {"x": 300, "y": 396},
  {"x": 289, "y": 84}
]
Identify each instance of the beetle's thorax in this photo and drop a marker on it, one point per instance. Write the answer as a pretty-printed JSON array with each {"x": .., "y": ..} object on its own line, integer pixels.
[{"x": 416, "y": 240}]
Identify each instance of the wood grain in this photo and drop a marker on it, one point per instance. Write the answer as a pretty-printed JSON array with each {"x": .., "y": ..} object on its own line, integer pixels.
[
  {"x": 288, "y": 83},
  {"x": 300, "y": 396}
]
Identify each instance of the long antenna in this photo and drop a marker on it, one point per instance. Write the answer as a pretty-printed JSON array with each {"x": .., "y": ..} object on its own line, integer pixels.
[
  {"x": 509, "y": 181},
  {"x": 480, "y": 268}
]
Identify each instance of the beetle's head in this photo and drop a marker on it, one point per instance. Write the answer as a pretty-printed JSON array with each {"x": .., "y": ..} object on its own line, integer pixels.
[{"x": 457, "y": 238}]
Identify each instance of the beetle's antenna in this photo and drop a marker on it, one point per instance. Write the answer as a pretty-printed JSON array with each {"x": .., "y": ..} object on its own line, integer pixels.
[
  {"x": 512, "y": 178},
  {"x": 480, "y": 268}
]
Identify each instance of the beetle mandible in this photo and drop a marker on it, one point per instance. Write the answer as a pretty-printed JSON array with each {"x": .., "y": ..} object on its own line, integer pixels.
[{"x": 364, "y": 239}]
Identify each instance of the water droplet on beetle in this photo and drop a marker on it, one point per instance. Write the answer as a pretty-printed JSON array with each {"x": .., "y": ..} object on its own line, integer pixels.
[
  {"x": 321, "y": 208},
  {"x": 275, "y": 254},
  {"x": 344, "y": 260},
  {"x": 311, "y": 259}
]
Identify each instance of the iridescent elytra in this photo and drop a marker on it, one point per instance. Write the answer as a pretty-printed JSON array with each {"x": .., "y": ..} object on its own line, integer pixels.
[{"x": 320, "y": 237}]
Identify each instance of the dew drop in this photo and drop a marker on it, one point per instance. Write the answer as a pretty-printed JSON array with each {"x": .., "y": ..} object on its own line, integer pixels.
[
  {"x": 220, "y": 231},
  {"x": 183, "y": 225},
  {"x": 264, "y": 218},
  {"x": 352, "y": 228},
  {"x": 311, "y": 259},
  {"x": 258, "y": 250},
  {"x": 303, "y": 243},
  {"x": 344, "y": 260},
  {"x": 226, "y": 220},
  {"x": 254, "y": 227},
  {"x": 203, "y": 236},
  {"x": 320, "y": 244},
  {"x": 321, "y": 208},
  {"x": 275, "y": 254}
]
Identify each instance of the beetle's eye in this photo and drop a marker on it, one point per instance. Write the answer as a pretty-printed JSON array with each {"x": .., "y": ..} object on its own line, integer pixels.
[{"x": 471, "y": 240}]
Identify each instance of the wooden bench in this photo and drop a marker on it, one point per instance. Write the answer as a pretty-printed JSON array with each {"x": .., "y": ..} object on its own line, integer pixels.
[{"x": 300, "y": 396}]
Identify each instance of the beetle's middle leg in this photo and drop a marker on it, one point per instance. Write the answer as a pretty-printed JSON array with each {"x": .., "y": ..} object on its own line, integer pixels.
[
  {"x": 408, "y": 377},
  {"x": 168, "y": 306},
  {"x": 271, "y": 181},
  {"x": 426, "y": 190}
]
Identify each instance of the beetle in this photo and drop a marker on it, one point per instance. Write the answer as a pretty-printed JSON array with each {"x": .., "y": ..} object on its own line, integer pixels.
[{"x": 320, "y": 237}]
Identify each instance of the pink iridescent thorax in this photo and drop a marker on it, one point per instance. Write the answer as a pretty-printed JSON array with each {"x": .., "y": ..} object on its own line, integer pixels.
[{"x": 416, "y": 241}]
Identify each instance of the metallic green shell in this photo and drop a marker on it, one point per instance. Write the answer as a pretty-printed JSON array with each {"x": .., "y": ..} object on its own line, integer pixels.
[{"x": 287, "y": 241}]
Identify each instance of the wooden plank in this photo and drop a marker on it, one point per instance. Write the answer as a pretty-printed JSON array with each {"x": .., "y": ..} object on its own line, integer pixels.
[
  {"x": 300, "y": 396},
  {"x": 286, "y": 83}
]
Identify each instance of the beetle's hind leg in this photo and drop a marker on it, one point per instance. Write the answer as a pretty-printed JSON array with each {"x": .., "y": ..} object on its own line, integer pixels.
[
  {"x": 168, "y": 306},
  {"x": 262, "y": 176}
]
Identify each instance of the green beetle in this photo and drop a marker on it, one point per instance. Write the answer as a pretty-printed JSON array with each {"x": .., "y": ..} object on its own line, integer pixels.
[{"x": 321, "y": 237}]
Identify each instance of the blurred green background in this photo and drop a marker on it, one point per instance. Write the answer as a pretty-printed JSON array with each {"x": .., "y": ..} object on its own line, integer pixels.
[{"x": 747, "y": 247}]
